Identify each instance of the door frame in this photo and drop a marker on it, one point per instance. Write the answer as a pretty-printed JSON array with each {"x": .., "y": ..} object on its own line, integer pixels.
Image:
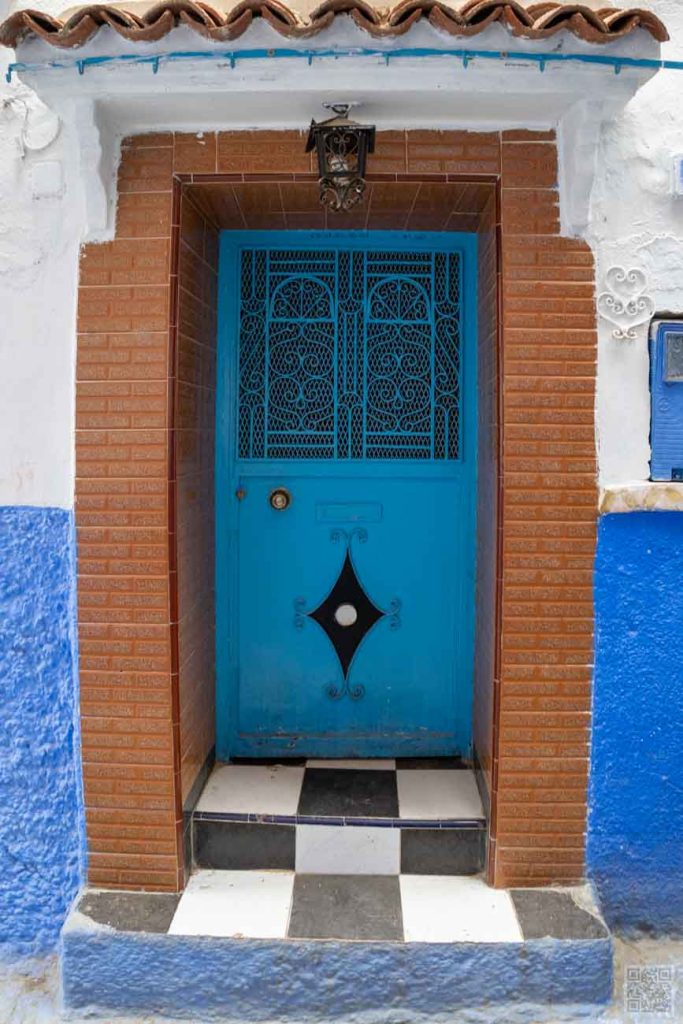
[{"x": 226, "y": 507}]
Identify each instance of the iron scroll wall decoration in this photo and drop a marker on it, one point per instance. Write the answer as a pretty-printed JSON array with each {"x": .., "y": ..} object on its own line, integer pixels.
[
  {"x": 624, "y": 302},
  {"x": 347, "y": 615}
]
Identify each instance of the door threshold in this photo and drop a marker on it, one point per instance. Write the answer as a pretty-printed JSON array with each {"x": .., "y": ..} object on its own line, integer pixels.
[{"x": 333, "y": 817}]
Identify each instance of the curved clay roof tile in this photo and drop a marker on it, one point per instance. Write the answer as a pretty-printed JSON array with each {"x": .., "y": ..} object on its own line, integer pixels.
[
  {"x": 212, "y": 23},
  {"x": 621, "y": 23},
  {"x": 133, "y": 27},
  {"x": 226, "y": 20},
  {"x": 364, "y": 14}
]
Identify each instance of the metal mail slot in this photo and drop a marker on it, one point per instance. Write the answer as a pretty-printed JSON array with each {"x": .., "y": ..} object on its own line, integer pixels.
[{"x": 349, "y": 512}]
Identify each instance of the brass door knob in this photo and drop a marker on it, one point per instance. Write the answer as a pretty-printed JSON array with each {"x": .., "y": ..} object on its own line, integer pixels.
[{"x": 280, "y": 499}]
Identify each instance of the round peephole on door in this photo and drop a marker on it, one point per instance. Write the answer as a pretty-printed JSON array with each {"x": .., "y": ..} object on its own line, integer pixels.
[
  {"x": 346, "y": 615},
  {"x": 280, "y": 499}
]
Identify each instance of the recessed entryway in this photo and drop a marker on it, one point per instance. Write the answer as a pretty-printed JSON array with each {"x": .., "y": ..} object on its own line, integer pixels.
[
  {"x": 349, "y": 420},
  {"x": 157, "y": 281}
]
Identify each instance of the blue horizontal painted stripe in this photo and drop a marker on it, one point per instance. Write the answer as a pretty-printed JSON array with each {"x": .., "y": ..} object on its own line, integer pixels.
[{"x": 539, "y": 58}]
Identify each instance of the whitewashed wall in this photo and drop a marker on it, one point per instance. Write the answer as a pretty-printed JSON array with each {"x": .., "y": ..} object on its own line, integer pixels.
[
  {"x": 40, "y": 226},
  {"x": 635, "y": 222}
]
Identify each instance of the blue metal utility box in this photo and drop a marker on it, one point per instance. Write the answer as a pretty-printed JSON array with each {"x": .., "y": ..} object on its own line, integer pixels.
[{"x": 666, "y": 386}]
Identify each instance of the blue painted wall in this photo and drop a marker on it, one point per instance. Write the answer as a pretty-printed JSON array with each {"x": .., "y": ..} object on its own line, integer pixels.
[
  {"x": 42, "y": 847},
  {"x": 635, "y": 841}
]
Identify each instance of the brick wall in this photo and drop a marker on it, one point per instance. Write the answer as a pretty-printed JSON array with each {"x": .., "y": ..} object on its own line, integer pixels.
[
  {"x": 122, "y": 515},
  {"x": 194, "y": 415},
  {"x": 486, "y": 605},
  {"x": 142, "y": 740},
  {"x": 548, "y": 521}
]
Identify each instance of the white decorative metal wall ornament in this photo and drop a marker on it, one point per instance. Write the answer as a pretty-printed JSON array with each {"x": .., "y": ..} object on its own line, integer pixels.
[{"x": 624, "y": 303}]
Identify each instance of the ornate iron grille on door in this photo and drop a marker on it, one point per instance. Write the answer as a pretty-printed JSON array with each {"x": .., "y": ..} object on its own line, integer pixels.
[{"x": 349, "y": 354}]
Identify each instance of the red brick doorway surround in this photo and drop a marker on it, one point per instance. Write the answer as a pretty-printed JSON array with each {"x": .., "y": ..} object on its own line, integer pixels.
[{"x": 144, "y": 506}]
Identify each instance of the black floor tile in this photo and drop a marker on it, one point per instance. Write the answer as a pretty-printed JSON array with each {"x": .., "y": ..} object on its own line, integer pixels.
[
  {"x": 131, "y": 911},
  {"x": 242, "y": 846},
  {"x": 346, "y": 907},
  {"x": 446, "y": 851},
  {"x": 349, "y": 792},
  {"x": 546, "y": 914},
  {"x": 427, "y": 763}
]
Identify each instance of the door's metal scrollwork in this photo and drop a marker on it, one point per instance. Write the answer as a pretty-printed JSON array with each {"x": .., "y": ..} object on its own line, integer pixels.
[{"x": 349, "y": 355}]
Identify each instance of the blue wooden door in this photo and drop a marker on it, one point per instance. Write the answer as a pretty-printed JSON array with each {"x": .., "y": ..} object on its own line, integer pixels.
[{"x": 345, "y": 505}]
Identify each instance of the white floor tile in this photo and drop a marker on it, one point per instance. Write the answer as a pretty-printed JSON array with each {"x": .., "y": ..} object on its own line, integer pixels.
[
  {"x": 439, "y": 908},
  {"x": 438, "y": 794},
  {"x": 261, "y": 789},
  {"x": 330, "y": 850},
  {"x": 378, "y": 764},
  {"x": 235, "y": 904}
]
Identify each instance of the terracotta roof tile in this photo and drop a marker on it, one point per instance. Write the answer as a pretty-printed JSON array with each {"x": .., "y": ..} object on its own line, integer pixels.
[{"x": 225, "y": 20}]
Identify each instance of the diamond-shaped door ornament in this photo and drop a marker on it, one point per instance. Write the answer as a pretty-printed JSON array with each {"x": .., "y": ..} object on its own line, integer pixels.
[{"x": 347, "y": 615}]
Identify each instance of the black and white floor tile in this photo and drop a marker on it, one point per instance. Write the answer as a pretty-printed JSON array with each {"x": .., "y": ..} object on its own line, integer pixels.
[
  {"x": 341, "y": 817},
  {"x": 407, "y": 908},
  {"x": 282, "y": 904}
]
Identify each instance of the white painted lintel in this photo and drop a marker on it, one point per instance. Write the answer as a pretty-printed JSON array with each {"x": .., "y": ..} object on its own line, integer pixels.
[{"x": 435, "y": 92}]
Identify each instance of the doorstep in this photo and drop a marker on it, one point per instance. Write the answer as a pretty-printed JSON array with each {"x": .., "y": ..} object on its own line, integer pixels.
[
  {"x": 384, "y": 817},
  {"x": 280, "y": 945}
]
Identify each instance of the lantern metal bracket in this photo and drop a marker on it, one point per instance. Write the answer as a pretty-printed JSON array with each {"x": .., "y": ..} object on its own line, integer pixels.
[{"x": 339, "y": 109}]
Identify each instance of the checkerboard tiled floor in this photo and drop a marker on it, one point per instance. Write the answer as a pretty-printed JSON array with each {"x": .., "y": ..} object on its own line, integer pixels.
[
  {"x": 282, "y": 904},
  {"x": 407, "y": 908},
  {"x": 423, "y": 790},
  {"x": 342, "y": 817}
]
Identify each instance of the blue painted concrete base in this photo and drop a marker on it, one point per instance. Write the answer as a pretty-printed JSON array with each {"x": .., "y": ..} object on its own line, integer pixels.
[
  {"x": 635, "y": 834},
  {"x": 108, "y": 973}
]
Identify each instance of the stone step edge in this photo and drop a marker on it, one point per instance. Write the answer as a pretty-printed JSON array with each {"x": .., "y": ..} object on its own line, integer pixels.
[
  {"x": 253, "y": 980},
  {"x": 254, "y": 818}
]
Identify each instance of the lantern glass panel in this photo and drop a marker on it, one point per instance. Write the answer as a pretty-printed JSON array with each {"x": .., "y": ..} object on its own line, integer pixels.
[{"x": 341, "y": 152}]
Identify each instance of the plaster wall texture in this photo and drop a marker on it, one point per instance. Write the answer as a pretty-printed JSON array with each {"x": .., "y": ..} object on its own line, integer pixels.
[
  {"x": 42, "y": 848},
  {"x": 319, "y": 982},
  {"x": 40, "y": 228},
  {"x": 637, "y": 222},
  {"x": 635, "y": 828},
  {"x": 30, "y": 992}
]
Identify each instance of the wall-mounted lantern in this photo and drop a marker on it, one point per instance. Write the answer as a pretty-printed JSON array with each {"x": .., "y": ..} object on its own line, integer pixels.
[{"x": 342, "y": 148}]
